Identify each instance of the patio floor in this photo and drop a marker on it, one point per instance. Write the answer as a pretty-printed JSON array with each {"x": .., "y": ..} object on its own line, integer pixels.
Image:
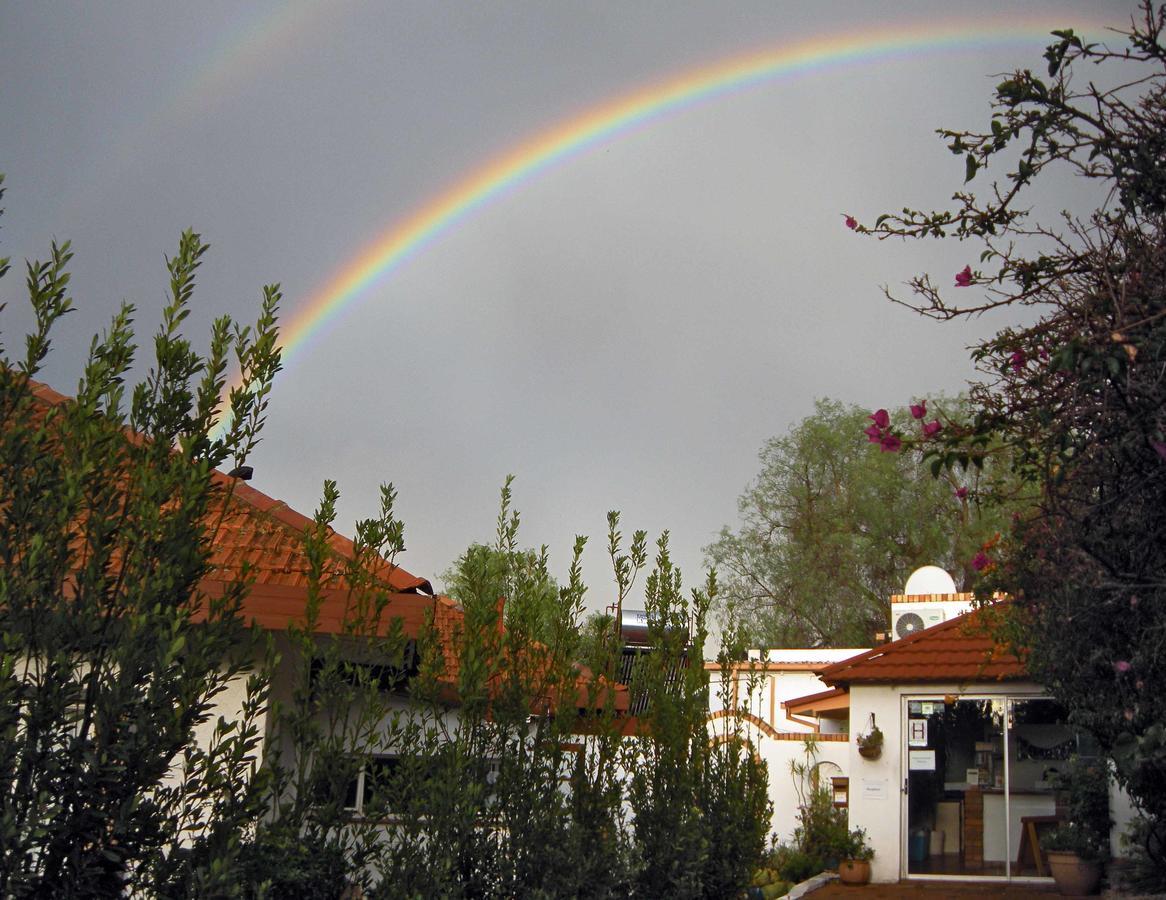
[{"x": 933, "y": 889}]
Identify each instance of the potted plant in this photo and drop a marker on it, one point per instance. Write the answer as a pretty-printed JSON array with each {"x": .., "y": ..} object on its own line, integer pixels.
[
  {"x": 870, "y": 745},
  {"x": 854, "y": 868},
  {"x": 1077, "y": 849}
]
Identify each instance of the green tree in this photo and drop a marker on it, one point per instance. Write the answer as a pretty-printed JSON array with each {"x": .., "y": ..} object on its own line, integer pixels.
[
  {"x": 833, "y": 525},
  {"x": 498, "y": 758},
  {"x": 1074, "y": 396},
  {"x": 485, "y": 569},
  {"x": 110, "y": 656},
  {"x": 699, "y": 801}
]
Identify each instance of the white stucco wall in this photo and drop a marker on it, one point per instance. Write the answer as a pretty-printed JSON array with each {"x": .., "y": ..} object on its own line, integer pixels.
[
  {"x": 764, "y": 684},
  {"x": 832, "y": 758},
  {"x": 1123, "y": 812},
  {"x": 876, "y": 786},
  {"x": 769, "y": 691},
  {"x": 771, "y": 685}
]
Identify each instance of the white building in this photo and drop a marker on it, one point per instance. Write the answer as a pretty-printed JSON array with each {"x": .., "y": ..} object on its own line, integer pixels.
[{"x": 963, "y": 787}]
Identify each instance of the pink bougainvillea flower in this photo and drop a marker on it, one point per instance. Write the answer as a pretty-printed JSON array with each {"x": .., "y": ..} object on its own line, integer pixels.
[
  {"x": 873, "y": 433},
  {"x": 980, "y": 561},
  {"x": 880, "y": 417},
  {"x": 963, "y": 278},
  {"x": 931, "y": 429},
  {"x": 1044, "y": 354},
  {"x": 851, "y": 222},
  {"x": 1122, "y": 666},
  {"x": 890, "y": 443},
  {"x": 919, "y": 410},
  {"x": 961, "y": 492},
  {"x": 1159, "y": 448},
  {"x": 1017, "y": 360}
]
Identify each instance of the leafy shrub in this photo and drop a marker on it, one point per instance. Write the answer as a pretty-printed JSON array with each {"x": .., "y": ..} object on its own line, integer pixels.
[
  {"x": 1086, "y": 833},
  {"x": 279, "y": 865},
  {"x": 112, "y": 657},
  {"x": 857, "y": 847},
  {"x": 795, "y": 865},
  {"x": 822, "y": 833},
  {"x": 1142, "y": 874}
]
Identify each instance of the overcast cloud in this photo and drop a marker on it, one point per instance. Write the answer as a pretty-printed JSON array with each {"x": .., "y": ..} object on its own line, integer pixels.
[{"x": 621, "y": 332}]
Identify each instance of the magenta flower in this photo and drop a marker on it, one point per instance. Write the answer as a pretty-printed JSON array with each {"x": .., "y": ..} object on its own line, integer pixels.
[
  {"x": 1122, "y": 666},
  {"x": 1159, "y": 448},
  {"x": 873, "y": 433},
  {"x": 961, "y": 492},
  {"x": 1017, "y": 360},
  {"x": 880, "y": 418},
  {"x": 963, "y": 278},
  {"x": 980, "y": 561},
  {"x": 1044, "y": 354},
  {"x": 890, "y": 444},
  {"x": 931, "y": 429},
  {"x": 919, "y": 410},
  {"x": 851, "y": 222}
]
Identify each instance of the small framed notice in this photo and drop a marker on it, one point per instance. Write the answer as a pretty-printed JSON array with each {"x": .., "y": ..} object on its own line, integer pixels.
[
  {"x": 874, "y": 788},
  {"x": 921, "y": 760},
  {"x": 916, "y": 732}
]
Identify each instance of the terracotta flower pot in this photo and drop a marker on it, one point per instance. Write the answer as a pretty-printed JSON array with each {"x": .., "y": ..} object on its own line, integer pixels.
[
  {"x": 854, "y": 871},
  {"x": 1075, "y": 877}
]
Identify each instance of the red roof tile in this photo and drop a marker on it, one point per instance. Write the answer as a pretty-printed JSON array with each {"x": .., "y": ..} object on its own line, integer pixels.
[
  {"x": 959, "y": 650},
  {"x": 267, "y": 536},
  {"x": 815, "y": 704},
  {"x": 258, "y": 536},
  {"x": 261, "y": 538}
]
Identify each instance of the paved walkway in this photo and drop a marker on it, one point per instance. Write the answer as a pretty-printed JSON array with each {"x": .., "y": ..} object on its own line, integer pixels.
[{"x": 933, "y": 890}]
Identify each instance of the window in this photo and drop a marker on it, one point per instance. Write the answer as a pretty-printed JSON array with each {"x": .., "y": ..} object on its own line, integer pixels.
[
  {"x": 379, "y": 786},
  {"x": 390, "y": 677},
  {"x": 373, "y": 785}
]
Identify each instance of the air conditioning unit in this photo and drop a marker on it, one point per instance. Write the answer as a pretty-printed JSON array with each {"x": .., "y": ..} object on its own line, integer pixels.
[{"x": 909, "y": 619}]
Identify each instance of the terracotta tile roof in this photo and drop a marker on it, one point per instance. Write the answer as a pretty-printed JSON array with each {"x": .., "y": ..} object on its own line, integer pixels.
[
  {"x": 261, "y": 538},
  {"x": 266, "y": 536},
  {"x": 257, "y": 535},
  {"x": 958, "y": 650},
  {"x": 815, "y": 704}
]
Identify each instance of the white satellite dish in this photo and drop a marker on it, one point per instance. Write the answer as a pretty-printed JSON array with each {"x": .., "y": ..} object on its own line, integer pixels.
[{"x": 929, "y": 580}]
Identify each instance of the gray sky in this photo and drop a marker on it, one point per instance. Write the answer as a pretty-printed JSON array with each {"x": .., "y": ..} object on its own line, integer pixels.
[{"x": 622, "y": 331}]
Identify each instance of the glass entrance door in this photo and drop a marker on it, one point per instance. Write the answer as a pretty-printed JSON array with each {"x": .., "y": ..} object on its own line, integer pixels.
[
  {"x": 956, "y": 801},
  {"x": 1040, "y": 745},
  {"x": 981, "y": 780}
]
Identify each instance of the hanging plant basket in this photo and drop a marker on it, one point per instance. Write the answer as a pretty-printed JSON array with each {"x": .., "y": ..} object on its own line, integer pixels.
[
  {"x": 870, "y": 752},
  {"x": 870, "y": 745}
]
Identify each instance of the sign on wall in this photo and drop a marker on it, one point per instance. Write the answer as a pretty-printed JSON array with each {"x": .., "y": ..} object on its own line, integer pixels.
[{"x": 916, "y": 732}]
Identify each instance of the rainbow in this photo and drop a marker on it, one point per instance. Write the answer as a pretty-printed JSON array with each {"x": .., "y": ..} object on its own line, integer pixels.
[{"x": 405, "y": 238}]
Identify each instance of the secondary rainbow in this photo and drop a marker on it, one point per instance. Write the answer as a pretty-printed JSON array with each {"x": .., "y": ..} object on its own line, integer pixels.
[{"x": 382, "y": 256}]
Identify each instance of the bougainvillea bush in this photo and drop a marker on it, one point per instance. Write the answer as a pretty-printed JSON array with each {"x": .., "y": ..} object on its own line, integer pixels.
[{"x": 1073, "y": 398}]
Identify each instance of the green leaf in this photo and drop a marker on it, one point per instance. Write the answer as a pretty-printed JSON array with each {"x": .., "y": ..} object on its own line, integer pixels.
[{"x": 971, "y": 165}]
